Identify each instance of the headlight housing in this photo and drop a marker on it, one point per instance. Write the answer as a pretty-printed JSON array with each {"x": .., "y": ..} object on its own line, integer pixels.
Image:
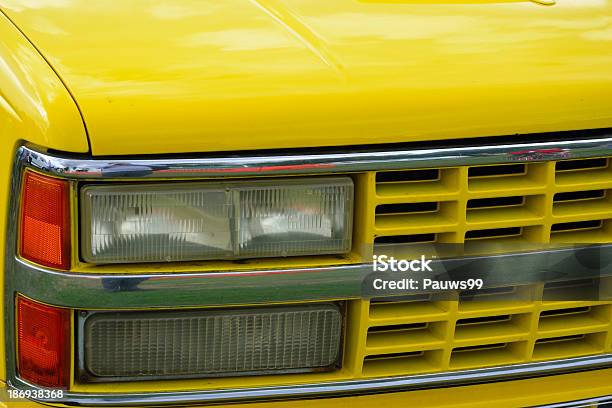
[{"x": 160, "y": 222}]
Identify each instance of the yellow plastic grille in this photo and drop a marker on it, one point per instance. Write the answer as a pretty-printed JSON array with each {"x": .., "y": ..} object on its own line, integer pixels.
[
  {"x": 566, "y": 201},
  {"x": 553, "y": 202},
  {"x": 417, "y": 335}
]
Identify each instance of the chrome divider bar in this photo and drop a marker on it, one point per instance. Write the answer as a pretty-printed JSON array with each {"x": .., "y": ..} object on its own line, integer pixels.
[
  {"x": 94, "y": 291},
  {"x": 297, "y": 163}
]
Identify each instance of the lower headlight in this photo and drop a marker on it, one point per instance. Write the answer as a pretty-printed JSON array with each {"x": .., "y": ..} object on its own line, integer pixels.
[
  {"x": 201, "y": 343},
  {"x": 210, "y": 220}
]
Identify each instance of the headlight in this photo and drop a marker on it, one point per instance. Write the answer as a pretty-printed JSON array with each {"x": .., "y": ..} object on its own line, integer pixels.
[
  {"x": 218, "y": 342},
  {"x": 197, "y": 221}
]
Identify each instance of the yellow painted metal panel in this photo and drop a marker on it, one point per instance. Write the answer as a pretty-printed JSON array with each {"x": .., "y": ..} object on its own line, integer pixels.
[{"x": 34, "y": 107}]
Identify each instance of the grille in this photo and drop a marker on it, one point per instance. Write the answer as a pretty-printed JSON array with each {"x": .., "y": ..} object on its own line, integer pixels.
[
  {"x": 414, "y": 335},
  {"x": 558, "y": 202},
  {"x": 564, "y": 201}
]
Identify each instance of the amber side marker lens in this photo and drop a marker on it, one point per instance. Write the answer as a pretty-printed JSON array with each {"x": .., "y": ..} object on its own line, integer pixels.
[
  {"x": 45, "y": 221},
  {"x": 43, "y": 343}
]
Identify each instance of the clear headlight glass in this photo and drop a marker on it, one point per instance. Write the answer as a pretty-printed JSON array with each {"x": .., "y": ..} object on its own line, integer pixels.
[{"x": 211, "y": 220}]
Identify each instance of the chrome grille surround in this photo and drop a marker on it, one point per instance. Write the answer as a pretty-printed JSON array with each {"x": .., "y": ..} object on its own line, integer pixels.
[{"x": 53, "y": 286}]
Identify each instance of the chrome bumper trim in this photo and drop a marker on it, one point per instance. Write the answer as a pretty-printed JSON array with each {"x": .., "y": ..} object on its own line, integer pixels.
[
  {"x": 250, "y": 164},
  {"x": 341, "y": 388},
  {"x": 93, "y": 291}
]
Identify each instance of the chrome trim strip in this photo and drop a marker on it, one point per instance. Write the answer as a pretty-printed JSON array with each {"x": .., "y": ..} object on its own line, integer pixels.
[
  {"x": 591, "y": 402},
  {"x": 93, "y": 291},
  {"x": 296, "y": 163},
  {"x": 340, "y": 388}
]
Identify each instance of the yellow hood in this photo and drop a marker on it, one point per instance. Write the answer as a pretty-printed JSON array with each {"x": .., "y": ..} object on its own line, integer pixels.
[{"x": 209, "y": 75}]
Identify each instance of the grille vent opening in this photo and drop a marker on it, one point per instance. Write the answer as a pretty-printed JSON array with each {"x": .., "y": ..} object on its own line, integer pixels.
[
  {"x": 484, "y": 320},
  {"x": 404, "y": 337},
  {"x": 493, "y": 233},
  {"x": 394, "y": 355},
  {"x": 505, "y": 290},
  {"x": 408, "y": 176},
  {"x": 569, "y": 311},
  {"x": 581, "y": 173},
  {"x": 407, "y": 208},
  {"x": 560, "y": 339},
  {"x": 412, "y": 362},
  {"x": 520, "y": 209},
  {"x": 422, "y": 297},
  {"x": 582, "y": 232},
  {"x": 480, "y": 347},
  {"x": 482, "y": 329},
  {"x": 507, "y": 179},
  {"x": 412, "y": 218},
  {"x": 495, "y": 202},
  {"x": 571, "y": 290},
  {"x": 384, "y": 311},
  {"x": 499, "y": 353},
  {"x": 576, "y": 345},
  {"x": 397, "y": 328},
  {"x": 581, "y": 164},
  {"x": 577, "y": 319},
  {"x": 406, "y": 239},
  {"x": 496, "y": 300},
  {"x": 578, "y": 225},
  {"x": 418, "y": 185},
  {"x": 579, "y": 195},
  {"x": 497, "y": 170},
  {"x": 572, "y": 284}
]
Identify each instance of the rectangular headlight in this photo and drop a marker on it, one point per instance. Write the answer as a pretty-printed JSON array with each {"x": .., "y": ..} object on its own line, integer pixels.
[
  {"x": 217, "y": 342},
  {"x": 212, "y": 220}
]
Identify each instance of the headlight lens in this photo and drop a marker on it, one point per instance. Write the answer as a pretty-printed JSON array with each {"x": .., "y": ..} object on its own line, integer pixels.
[
  {"x": 197, "y": 221},
  {"x": 218, "y": 342}
]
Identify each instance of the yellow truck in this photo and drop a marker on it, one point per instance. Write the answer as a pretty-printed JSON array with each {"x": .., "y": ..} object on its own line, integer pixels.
[{"x": 193, "y": 191}]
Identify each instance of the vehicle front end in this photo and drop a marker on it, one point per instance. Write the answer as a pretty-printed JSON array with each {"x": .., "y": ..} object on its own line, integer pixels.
[{"x": 195, "y": 193}]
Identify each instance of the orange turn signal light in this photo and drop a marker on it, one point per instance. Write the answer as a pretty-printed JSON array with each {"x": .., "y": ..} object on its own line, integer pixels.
[
  {"x": 43, "y": 343},
  {"x": 45, "y": 221}
]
